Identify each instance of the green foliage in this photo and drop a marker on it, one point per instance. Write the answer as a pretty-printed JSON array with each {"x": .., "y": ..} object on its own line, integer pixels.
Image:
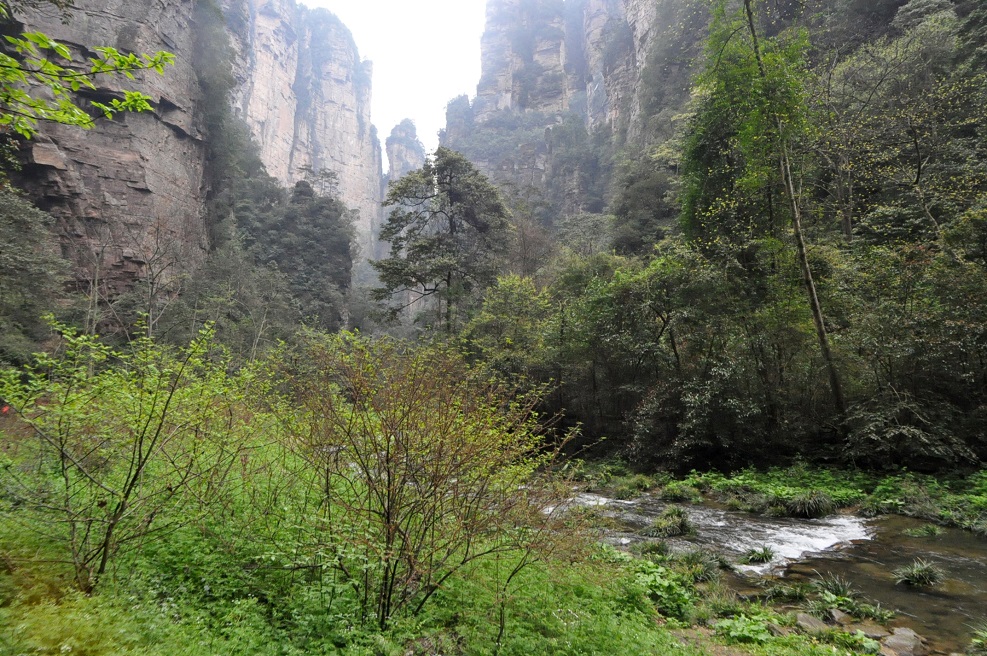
[
  {"x": 744, "y": 629},
  {"x": 924, "y": 531},
  {"x": 671, "y": 594},
  {"x": 919, "y": 573},
  {"x": 509, "y": 331},
  {"x": 417, "y": 467},
  {"x": 680, "y": 491},
  {"x": 854, "y": 643},
  {"x": 448, "y": 232},
  {"x": 810, "y": 504},
  {"x": 33, "y": 60},
  {"x": 758, "y": 555},
  {"x": 978, "y": 643},
  {"x": 672, "y": 522},
  {"x": 31, "y": 275},
  {"x": 730, "y": 156},
  {"x": 701, "y": 565},
  {"x": 127, "y": 441},
  {"x": 796, "y": 491}
]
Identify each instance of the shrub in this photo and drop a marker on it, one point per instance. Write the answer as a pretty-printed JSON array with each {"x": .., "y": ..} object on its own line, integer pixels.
[
  {"x": 654, "y": 550},
  {"x": 130, "y": 443},
  {"x": 810, "y": 505},
  {"x": 419, "y": 465},
  {"x": 669, "y": 592},
  {"x": 680, "y": 491},
  {"x": 631, "y": 486},
  {"x": 794, "y": 591}
]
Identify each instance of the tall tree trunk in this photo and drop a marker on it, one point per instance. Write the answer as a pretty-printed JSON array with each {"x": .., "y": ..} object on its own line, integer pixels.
[{"x": 810, "y": 286}]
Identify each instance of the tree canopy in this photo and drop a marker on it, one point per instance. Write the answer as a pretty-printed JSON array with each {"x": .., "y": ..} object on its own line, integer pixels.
[{"x": 448, "y": 231}]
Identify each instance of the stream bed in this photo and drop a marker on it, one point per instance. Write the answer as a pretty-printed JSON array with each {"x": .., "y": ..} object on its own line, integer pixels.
[{"x": 864, "y": 551}]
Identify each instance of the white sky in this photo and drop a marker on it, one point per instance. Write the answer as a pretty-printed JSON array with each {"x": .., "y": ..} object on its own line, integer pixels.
[{"x": 425, "y": 53}]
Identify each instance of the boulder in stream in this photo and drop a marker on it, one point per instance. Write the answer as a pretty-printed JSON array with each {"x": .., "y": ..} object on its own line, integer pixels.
[{"x": 903, "y": 642}]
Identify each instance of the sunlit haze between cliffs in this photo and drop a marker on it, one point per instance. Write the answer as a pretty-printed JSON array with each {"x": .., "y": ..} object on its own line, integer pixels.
[{"x": 425, "y": 53}]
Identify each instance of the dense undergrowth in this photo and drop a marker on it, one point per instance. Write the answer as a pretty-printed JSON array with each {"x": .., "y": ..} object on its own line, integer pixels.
[{"x": 349, "y": 496}]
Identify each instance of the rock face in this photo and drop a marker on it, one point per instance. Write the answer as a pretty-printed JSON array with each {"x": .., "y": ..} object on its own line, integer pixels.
[
  {"x": 404, "y": 151},
  {"x": 128, "y": 195},
  {"x": 305, "y": 93},
  {"x": 550, "y": 67}
]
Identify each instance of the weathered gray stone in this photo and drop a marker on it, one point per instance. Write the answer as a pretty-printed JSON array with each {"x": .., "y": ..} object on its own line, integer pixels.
[
  {"x": 779, "y": 631},
  {"x": 810, "y": 624},
  {"x": 905, "y": 642},
  {"x": 840, "y": 617},
  {"x": 869, "y": 629}
]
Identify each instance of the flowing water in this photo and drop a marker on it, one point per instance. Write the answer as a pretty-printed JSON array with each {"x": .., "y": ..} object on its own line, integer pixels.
[{"x": 864, "y": 551}]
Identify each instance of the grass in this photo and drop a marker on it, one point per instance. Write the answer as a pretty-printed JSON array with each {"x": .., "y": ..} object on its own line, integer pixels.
[
  {"x": 701, "y": 565},
  {"x": 757, "y": 556},
  {"x": 978, "y": 643},
  {"x": 919, "y": 573},
  {"x": 924, "y": 531},
  {"x": 672, "y": 522},
  {"x": 836, "y": 585},
  {"x": 810, "y": 505},
  {"x": 680, "y": 491}
]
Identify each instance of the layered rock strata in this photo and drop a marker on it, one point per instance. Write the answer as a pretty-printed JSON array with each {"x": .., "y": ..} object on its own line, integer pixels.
[{"x": 128, "y": 195}]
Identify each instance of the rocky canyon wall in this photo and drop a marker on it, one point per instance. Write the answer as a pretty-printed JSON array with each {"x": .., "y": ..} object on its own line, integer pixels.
[
  {"x": 129, "y": 195},
  {"x": 305, "y": 93},
  {"x": 561, "y": 77}
]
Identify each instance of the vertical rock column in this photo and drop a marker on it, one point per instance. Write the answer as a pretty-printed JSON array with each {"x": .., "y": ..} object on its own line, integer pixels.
[{"x": 305, "y": 93}]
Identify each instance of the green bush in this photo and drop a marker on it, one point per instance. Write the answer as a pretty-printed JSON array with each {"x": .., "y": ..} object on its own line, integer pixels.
[
  {"x": 671, "y": 594},
  {"x": 919, "y": 573}
]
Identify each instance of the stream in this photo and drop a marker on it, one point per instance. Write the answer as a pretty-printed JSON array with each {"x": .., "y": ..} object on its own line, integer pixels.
[{"x": 864, "y": 551}]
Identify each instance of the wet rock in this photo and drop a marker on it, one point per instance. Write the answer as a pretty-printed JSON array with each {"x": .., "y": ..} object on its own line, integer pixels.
[
  {"x": 810, "y": 624},
  {"x": 870, "y": 630},
  {"x": 904, "y": 642}
]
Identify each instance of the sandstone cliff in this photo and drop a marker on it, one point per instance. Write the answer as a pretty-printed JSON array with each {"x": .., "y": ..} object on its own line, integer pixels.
[
  {"x": 305, "y": 93},
  {"x": 127, "y": 196},
  {"x": 404, "y": 151},
  {"x": 560, "y": 78}
]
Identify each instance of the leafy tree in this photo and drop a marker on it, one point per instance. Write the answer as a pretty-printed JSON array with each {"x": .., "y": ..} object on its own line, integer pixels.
[
  {"x": 509, "y": 329},
  {"x": 40, "y": 80},
  {"x": 311, "y": 243},
  {"x": 448, "y": 233},
  {"x": 740, "y": 162}
]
